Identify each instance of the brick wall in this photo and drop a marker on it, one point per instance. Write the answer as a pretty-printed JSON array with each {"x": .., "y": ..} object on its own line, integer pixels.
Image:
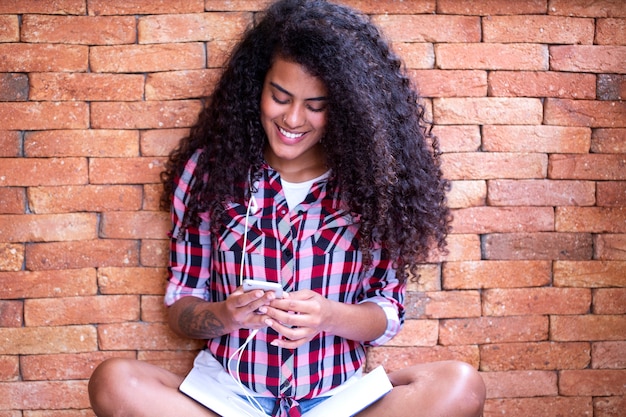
[{"x": 527, "y": 97}]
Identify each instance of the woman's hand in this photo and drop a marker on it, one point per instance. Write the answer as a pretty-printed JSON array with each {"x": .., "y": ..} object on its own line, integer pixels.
[
  {"x": 298, "y": 317},
  {"x": 246, "y": 310}
]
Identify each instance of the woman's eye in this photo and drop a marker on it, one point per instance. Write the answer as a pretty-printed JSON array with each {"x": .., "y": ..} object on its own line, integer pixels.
[
  {"x": 317, "y": 109},
  {"x": 277, "y": 100}
]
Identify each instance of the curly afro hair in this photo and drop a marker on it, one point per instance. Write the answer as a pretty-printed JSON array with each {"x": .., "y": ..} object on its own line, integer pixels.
[{"x": 384, "y": 159}]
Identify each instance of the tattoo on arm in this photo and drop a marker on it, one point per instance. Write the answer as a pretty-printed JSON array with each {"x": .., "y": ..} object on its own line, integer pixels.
[{"x": 200, "y": 324}]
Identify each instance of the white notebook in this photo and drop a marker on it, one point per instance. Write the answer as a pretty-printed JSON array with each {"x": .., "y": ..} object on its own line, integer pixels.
[{"x": 346, "y": 403}]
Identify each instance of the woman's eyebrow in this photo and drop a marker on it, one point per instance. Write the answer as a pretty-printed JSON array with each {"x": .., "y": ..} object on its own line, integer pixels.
[{"x": 282, "y": 90}]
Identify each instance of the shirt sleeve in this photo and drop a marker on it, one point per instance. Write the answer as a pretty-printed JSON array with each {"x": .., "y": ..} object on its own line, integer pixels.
[
  {"x": 188, "y": 270},
  {"x": 382, "y": 287}
]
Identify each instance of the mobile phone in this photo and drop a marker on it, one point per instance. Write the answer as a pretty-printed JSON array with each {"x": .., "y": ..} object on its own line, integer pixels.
[{"x": 250, "y": 284}]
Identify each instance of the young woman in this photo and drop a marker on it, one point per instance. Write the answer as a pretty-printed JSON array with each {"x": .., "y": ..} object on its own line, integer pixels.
[{"x": 311, "y": 166}]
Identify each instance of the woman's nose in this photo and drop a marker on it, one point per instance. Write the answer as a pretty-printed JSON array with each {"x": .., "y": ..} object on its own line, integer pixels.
[{"x": 294, "y": 116}]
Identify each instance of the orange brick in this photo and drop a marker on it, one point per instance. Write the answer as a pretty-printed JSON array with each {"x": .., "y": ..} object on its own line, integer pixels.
[
  {"x": 116, "y": 280},
  {"x": 9, "y": 28},
  {"x": 492, "y": 56},
  {"x": 84, "y": 198},
  {"x": 415, "y": 55},
  {"x": 174, "y": 85},
  {"x": 47, "y": 227},
  {"x": 86, "y": 86},
  {"x": 10, "y": 144},
  {"x": 11, "y": 313},
  {"x": 218, "y": 52},
  {"x": 125, "y": 170},
  {"x": 592, "y": 382},
  {"x": 142, "y": 336},
  {"x": 43, "y": 395},
  {"x": 153, "y": 309},
  {"x": 37, "y": 284},
  {"x": 170, "y": 28},
  {"x": 483, "y": 220},
  {"x": 538, "y": 29},
  {"x": 541, "y": 193},
  {"x": 179, "y": 362},
  {"x": 612, "y": 194},
  {"x": 487, "y": 110},
  {"x": 71, "y": 311},
  {"x": 467, "y": 194},
  {"x": 565, "y": 112},
  {"x": 117, "y": 7},
  {"x": 610, "y": 300},
  {"x": 428, "y": 279},
  {"x": 43, "y": 340},
  {"x": 534, "y": 356},
  {"x": 81, "y": 254},
  {"x": 68, "y": 143},
  {"x": 542, "y": 84},
  {"x": 493, "y": 330},
  {"x": 540, "y": 406},
  {"x": 144, "y": 114},
  {"x": 582, "y": 8},
  {"x": 39, "y": 7},
  {"x": 395, "y": 358},
  {"x": 587, "y": 327},
  {"x": 9, "y": 369},
  {"x": 135, "y": 225},
  {"x": 608, "y": 141},
  {"x": 528, "y": 301},
  {"x": 11, "y": 257},
  {"x": 608, "y": 355},
  {"x": 44, "y": 115},
  {"x": 491, "y": 7},
  {"x": 611, "y": 87},
  {"x": 450, "y": 83},
  {"x": 484, "y": 165},
  {"x": 588, "y": 167},
  {"x": 609, "y": 406},
  {"x": 417, "y": 333},
  {"x": 18, "y": 57},
  {"x": 543, "y": 139},
  {"x": 89, "y": 30},
  {"x": 589, "y": 274},
  {"x": 461, "y": 247},
  {"x": 588, "y": 58},
  {"x": 458, "y": 138},
  {"x": 538, "y": 246},
  {"x": 610, "y": 32},
  {"x": 65, "y": 366},
  {"x": 496, "y": 274},
  {"x": 446, "y": 304},
  {"x": 12, "y": 200},
  {"x": 373, "y": 6},
  {"x": 591, "y": 219},
  {"x": 147, "y": 58},
  {"x": 13, "y": 87},
  {"x": 154, "y": 253},
  {"x": 610, "y": 247},
  {"x": 429, "y": 28},
  {"x": 36, "y": 172},
  {"x": 160, "y": 142},
  {"x": 510, "y": 384},
  {"x": 152, "y": 196}
]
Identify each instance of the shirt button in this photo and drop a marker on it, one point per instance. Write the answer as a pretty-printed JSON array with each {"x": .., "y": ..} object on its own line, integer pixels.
[{"x": 283, "y": 212}]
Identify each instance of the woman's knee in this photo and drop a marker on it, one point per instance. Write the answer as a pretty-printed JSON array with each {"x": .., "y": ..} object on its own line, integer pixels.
[
  {"x": 467, "y": 387},
  {"x": 109, "y": 385}
]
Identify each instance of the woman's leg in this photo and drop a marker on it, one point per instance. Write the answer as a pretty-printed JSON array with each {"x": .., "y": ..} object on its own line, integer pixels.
[
  {"x": 438, "y": 389},
  {"x": 124, "y": 387}
]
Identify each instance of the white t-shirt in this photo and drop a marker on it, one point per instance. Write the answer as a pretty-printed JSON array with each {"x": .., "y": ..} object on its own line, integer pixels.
[{"x": 296, "y": 192}]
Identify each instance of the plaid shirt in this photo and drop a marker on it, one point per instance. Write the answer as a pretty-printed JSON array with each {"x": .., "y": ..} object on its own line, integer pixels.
[{"x": 315, "y": 247}]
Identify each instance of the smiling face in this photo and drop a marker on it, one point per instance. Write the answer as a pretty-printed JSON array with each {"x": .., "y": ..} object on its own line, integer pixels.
[{"x": 293, "y": 114}]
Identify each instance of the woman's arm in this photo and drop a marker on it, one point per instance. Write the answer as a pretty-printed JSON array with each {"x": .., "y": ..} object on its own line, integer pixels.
[{"x": 199, "y": 319}]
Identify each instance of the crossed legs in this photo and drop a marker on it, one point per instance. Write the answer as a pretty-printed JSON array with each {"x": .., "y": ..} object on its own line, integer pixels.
[{"x": 130, "y": 388}]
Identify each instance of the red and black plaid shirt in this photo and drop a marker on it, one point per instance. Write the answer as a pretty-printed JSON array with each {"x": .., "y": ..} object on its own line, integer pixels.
[{"x": 315, "y": 247}]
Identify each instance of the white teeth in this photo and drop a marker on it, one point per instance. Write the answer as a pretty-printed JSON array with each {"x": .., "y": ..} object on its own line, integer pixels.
[{"x": 289, "y": 134}]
